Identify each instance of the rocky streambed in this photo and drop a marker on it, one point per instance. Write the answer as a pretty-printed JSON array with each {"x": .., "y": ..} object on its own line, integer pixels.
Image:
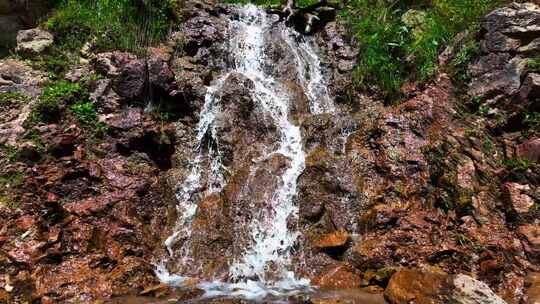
[{"x": 266, "y": 176}]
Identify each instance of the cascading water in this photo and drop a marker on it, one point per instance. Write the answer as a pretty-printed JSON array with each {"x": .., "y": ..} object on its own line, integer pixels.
[{"x": 271, "y": 241}]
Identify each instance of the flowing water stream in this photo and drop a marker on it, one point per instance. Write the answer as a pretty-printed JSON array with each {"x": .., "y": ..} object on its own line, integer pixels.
[{"x": 272, "y": 242}]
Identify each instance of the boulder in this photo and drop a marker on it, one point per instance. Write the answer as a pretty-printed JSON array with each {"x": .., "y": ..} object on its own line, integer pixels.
[
  {"x": 529, "y": 149},
  {"x": 338, "y": 276},
  {"x": 496, "y": 73},
  {"x": 532, "y": 285},
  {"x": 516, "y": 198},
  {"x": 530, "y": 90},
  {"x": 334, "y": 239},
  {"x": 409, "y": 285},
  {"x": 511, "y": 33},
  {"x": 34, "y": 41},
  {"x": 427, "y": 287},
  {"x": 531, "y": 233}
]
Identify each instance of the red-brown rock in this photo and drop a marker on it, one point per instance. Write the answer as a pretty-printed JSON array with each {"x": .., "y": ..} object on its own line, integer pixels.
[{"x": 338, "y": 276}]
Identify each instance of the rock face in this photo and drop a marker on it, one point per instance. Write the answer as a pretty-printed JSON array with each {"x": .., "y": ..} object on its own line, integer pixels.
[
  {"x": 508, "y": 31},
  {"x": 406, "y": 198}
]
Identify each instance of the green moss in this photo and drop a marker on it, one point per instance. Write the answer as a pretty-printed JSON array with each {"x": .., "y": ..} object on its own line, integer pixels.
[
  {"x": 532, "y": 120},
  {"x": 7, "y": 99},
  {"x": 9, "y": 203},
  {"x": 10, "y": 180},
  {"x": 533, "y": 65}
]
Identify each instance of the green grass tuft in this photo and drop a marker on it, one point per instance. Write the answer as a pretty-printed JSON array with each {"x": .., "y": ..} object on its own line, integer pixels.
[{"x": 112, "y": 25}]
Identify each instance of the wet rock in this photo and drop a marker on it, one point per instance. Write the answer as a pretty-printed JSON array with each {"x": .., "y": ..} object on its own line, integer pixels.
[
  {"x": 530, "y": 150},
  {"x": 349, "y": 296},
  {"x": 531, "y": 233},
  {"x": 17, "y": 76},
  {"x": 212, "y": 236},
  {"x": 516, "y": 197},
  {"x": 530, "y": 90},
  {"x": 338, "y": 276},
  {"x": 342, "y": 55},
  {"x": 432, "y": 287},
  {"x": 161, "y": 76},
  {"x": 125, "y": 120},
  {"x": 421, "y": 287},
  {"x": 496, "y": 73},
  {"x": 201, "y": 32},
  {"x": 105, "y": 97},
  {"x": 131, "y": 79},
  {"x": 532, "y": 284},
  {"x": 335, "y": 239},
  {"x": 33, "y": 41}
]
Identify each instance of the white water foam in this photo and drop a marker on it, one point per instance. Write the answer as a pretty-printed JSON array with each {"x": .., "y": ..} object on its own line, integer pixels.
[
  {"x": 272, "y": 242},
  {"x": 309, "y": 71}
]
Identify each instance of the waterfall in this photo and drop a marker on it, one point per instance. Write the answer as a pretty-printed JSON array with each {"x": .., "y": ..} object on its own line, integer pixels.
[{"x": 271, "y": 241}]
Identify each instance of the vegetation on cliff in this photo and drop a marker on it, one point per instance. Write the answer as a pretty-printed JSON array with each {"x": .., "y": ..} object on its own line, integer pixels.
[
  {"x": 401, "y": 40},
  {"x": 119, "y": 25}
]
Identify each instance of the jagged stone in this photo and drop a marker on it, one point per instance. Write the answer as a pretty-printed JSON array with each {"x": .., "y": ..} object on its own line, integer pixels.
[
  {"x": 529, "y": 149},
  {"x": 517, "y": 198},
  {"x": 334, "y": 239},
  {"x": 530, "y": 90},
  {"x": 338, "y": 276}
]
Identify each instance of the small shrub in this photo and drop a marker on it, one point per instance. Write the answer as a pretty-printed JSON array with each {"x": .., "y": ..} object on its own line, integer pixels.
[
  {"x": 532, "y": 120},
  {"x": 518, "y": 165},
  {"x": 534, "y": 65},
  {"x": 458, "y": 65},
  {"x": 53, "y": 99},
  {"x": 85, "y": 112}
]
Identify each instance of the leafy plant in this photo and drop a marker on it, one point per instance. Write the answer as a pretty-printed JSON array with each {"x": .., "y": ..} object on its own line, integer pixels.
[
  {"x": 458, "y": 65},
  {"x": 85, "y": 112},
  {"x": 55, "y": 95},
  {"x": 518, "y": 165},
  {"x": 532, "y": 120},
  {"x": 534, "y": 65}
]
